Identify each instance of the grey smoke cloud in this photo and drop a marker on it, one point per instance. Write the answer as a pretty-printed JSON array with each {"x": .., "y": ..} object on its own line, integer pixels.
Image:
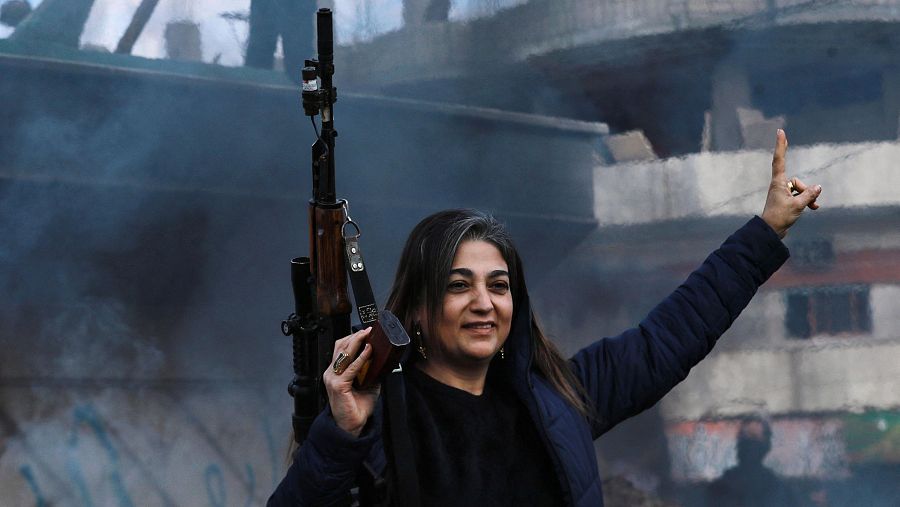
[{"x": 134, "y": 246}]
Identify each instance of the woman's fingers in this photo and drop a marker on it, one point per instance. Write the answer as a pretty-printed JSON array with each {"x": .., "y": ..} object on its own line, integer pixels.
[
  {"x": 358, "y": 363},
  {"x": 349, "y": 344},
  {"x": 781, "y": 145},
  {"x": 807, "y": 195},
  {"x": 786, "y": 199},
  {"x": 349, "y": 407},
  {"x": 343, "y": 357}
]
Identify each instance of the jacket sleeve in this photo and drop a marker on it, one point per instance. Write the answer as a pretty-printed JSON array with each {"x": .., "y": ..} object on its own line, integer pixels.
[
  {"x": 326, "y": 465},
  {"x": 627, "y": 374}
]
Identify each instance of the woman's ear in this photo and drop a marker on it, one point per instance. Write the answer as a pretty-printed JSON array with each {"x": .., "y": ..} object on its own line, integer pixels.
[
  {"x": 417, "y": 333},
  {"x": 420, "y": 323},
  {"x": 420, "y": 316}
]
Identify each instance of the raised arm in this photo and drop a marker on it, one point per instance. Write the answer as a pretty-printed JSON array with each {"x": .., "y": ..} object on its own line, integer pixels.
[{"x": 627, "y": 374}]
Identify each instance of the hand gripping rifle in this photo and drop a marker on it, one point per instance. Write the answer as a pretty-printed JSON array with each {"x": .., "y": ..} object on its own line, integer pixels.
[{"x": 321, "y": 304}]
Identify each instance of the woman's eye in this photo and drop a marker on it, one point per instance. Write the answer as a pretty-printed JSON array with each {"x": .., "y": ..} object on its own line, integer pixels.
[
  {"x": 500, "y": 286},
  {"x": 456, "y": 285}
]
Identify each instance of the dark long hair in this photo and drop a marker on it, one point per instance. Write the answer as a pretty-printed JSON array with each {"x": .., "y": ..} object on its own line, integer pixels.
[{"x": 422, "y": 275}]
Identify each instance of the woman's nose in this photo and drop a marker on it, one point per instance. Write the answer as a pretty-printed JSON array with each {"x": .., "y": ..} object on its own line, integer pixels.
[{"x": 482, "y": 300}]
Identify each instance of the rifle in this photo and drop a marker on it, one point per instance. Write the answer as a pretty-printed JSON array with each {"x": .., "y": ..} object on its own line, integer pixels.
[{"x": 319, "y": 282}]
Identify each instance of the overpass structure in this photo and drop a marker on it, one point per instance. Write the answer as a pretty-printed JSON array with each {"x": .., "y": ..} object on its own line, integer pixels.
[{"x": 677, "y": 70}]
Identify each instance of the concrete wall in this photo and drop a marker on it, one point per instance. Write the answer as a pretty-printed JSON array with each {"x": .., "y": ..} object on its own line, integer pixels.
[
  {"x": 781, "y": 375},
  {"x": 860, "y": 175},
  {"x": 853, "y": 376},
  {"x": 173, "y": 445}
]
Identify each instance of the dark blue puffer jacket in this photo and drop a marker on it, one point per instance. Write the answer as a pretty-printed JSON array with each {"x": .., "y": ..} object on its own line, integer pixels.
[{"x": 622, "y": 376}]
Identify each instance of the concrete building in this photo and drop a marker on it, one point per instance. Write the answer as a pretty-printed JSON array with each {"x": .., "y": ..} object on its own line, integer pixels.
[
  {"x": 677, "y": 70},
  {"x": 818, "y": 349},
  {"x": 149, "y": 212}
]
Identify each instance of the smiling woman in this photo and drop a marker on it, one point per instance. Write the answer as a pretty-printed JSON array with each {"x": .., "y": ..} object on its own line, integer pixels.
[
  {"x": 474, "y": 321},
  {"x": 459, "y": 287},
  {"x": 485, "y": 411}
]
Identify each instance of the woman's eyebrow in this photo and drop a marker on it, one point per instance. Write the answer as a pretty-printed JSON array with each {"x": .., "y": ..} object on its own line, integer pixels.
[{"x": 469, "y": 274}]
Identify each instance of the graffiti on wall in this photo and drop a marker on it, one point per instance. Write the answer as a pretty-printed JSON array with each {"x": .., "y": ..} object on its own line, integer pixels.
[
  {"x": 801, "y": 447},
  {"x": 143, "y": 448}
]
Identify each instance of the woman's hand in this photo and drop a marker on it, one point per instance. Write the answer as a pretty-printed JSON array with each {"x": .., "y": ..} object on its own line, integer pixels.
[
  {"x": 350, "y": 407},
  {"x": 783, "y": 207}
]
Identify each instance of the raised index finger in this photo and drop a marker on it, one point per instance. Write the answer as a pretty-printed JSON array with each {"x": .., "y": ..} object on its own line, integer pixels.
[{"x": 780, "y": 151}]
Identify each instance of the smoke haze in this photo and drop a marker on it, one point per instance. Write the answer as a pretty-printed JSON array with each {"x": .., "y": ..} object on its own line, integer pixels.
[{"x": 149, "y": 209}]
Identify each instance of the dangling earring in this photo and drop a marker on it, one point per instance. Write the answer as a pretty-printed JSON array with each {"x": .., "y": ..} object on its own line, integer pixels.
[
  {"x": 502, "y": 353},
  {"x": 419, "y": 339}
]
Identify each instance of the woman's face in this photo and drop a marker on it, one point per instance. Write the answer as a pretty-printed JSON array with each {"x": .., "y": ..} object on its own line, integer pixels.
[{"x": 477, "y": 310}]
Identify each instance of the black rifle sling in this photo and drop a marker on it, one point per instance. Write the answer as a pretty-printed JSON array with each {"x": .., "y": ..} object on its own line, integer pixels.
[
  {"x": 398, "y": 445},
  {"x": 359, "y": 280}
]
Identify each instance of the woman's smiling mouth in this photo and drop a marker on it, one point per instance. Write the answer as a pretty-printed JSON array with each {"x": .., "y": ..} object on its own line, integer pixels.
[{"x": 480, "y": 326}]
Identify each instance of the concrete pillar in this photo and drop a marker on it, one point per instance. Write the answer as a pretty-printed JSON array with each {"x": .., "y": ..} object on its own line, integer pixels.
[
  {"x": 419, "y": 12},
  {"x": 891, "y": 89},
  {"x": 730, "y": 90},
  {"x": 757, "y": 131},
  {"x": 183, "y": 41}
]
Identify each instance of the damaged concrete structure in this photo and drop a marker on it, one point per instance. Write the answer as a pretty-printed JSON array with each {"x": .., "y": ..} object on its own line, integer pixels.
[
  {"x": 151, "y": 208},
  {"x": 668, "y": 68}
]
